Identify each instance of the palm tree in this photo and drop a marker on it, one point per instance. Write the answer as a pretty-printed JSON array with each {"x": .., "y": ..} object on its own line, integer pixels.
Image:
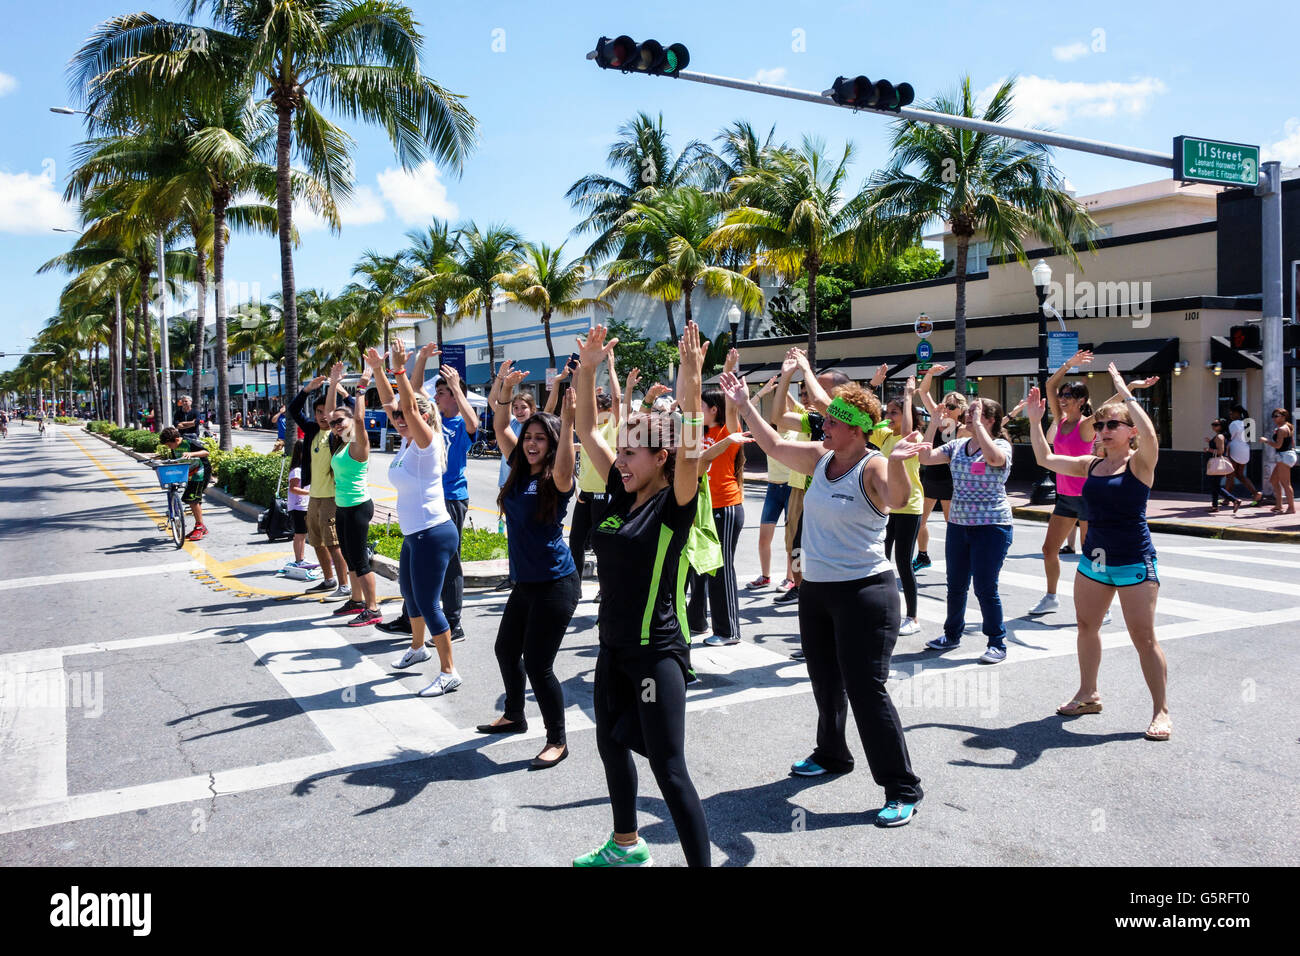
[
  {"x": 1005, "y": 189},
  {"x": 434, "y": 279},
  {"x": 546, "y": 284},
  {"x": 487, "y": 259},
  {"x": 676, "y": 228},
  {"x": 795, "y": 220},
  {"x": 378, "y": 296},
  {"x": 358, "y": 58}
]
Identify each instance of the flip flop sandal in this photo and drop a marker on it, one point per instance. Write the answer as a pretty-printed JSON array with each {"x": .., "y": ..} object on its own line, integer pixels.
[
  {"x": 1076, "y": 708},
  {"x": 1160, "y": 734}
]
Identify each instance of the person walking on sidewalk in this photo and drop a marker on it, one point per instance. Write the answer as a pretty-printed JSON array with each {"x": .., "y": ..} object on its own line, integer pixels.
[
  {"x": 979, "y": 524},
  {"x": 1239, "y": 452},
  {"x": 639, "y": 537},
  {"x": 318, "y": 476},
  {"x": 1071, "y": 434},
  {"x": 1118, "y": 553},
  {"x": 1218, "y": 445},
  {"x": 1283, "y": 441},
  {"x": 429, "y": 535},
  {"x": 848, "y": 605},
  {"x": 353, "y": 506},
  {"x": 547, "y": 583}
]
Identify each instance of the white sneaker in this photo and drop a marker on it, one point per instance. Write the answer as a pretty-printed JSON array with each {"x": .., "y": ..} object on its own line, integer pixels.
[
  {"x": 413, "y": 655},
  {"x": 344, "y": 591},
  {"x": 1107, "y": 619},
  {"x": 442, "y": 684},
  {"x": 1048, "y": 604},
  {"x": 909, "y": 626}
]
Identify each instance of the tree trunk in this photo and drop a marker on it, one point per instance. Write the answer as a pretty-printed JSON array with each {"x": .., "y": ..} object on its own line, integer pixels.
[
  {"x": 439, "y": 313},
  {"x": 813, "y": 268},
  {"x": 155, "y": 394},
  {"x": 288, "y": 292},
  {"x": 221, "y": 353},
  {"x": 686, "y": 298},
  {"x": 118, "y": 364},
  {"x": 492, "y": 352},
  {"x": 672, "y": 325},
  {"x": 200, "y": 333},
  {"x": 959, "y": 314},
  {"x": 135, "y": 371}
]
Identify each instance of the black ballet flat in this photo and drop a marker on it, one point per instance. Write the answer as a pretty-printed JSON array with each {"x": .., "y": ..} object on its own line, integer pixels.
[
  {"x": 539, "y": 764},
  {"x": 514, "y": 727}
]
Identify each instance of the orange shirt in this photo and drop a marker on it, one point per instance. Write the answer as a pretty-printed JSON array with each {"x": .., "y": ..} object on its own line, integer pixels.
[{"x": 724, "y": 489}]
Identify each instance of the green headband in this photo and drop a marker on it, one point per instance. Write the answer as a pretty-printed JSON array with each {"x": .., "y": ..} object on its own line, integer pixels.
[{"x": 842, "y": 411}]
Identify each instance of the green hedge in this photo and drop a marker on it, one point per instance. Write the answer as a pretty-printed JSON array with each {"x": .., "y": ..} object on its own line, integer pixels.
[
  {"x": 137, "y": 439},
  {"x": 100, "y": 427},
  {"x": 65, "y": 420},
  {"x": 244, "y": 473},
  {"x": 476, "y": 544}
]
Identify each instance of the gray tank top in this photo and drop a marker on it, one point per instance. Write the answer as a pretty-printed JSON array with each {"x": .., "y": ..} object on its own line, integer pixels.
[{"x": 843, "y": 532}]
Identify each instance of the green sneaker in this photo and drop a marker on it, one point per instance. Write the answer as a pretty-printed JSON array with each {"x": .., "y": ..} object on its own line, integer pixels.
[{"x": 611, "y": 854}]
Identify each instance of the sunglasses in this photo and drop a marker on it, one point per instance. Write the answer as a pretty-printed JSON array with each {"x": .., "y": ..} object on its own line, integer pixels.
[
  {"x": 951, "y": 408},
  {"x": 1114, "y": 423},
  {"x": 337, "y": 421}
]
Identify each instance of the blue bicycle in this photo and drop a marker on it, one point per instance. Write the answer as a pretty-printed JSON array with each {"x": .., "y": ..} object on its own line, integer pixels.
[{"x": 172, "y": 478}]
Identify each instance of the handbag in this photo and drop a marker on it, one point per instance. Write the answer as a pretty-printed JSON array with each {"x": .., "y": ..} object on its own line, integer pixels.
[{"x": 1218, "y": 467}]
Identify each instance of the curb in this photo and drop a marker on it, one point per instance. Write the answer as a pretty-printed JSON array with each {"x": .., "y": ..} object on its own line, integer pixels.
[{"x": 1188, "y": 529}]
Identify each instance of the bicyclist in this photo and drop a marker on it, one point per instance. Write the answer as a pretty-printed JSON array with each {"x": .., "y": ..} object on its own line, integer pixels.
[{"x": 173, "y": 446}]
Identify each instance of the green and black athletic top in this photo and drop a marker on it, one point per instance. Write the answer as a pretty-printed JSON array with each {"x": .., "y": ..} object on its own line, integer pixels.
[{"x": 641, "y": 567}]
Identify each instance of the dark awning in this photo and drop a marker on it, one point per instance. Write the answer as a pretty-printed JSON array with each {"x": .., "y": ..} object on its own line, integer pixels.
[
  {"x": 938, "y": 358},
  {"x": 1221, "y": 351},
  {"x": 1000, "y": 362},
  {"x": 1136, "y": 356},
  {"x": 861, "y": 369}
]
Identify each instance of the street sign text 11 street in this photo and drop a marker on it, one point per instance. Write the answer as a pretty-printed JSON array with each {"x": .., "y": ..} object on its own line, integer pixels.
[{"x": 1215, "y": 162}]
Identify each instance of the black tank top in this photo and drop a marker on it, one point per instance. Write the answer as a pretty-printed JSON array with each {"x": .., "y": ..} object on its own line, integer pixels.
[{"x": 1286, "y": 443}]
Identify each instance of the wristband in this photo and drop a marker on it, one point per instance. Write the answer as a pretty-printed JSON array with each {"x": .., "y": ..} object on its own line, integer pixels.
[
  {"x": 1130, "y": 399},
  {"x": 502, "y": 404},
  {"x": 647, "y": 404},
  {"x": 692, "y": 419},
  {"x": 399, "y": 371}
]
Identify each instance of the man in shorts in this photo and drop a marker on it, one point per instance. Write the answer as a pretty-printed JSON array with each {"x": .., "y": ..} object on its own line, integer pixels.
[{"x": 173, "y": 446}]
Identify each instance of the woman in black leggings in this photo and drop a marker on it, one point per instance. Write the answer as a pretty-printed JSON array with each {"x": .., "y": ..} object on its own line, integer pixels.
[
  {"x": 639, "y": 535},
  {"x": 547, "y": 587},
  {"x": 905, "y": 522}
]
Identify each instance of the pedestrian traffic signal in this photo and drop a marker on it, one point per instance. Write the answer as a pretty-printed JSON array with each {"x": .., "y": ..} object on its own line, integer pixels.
[
  {"x": 1245, "y": 337},
  {"x": 624, "y": 53},
  {"x": 860, "y": 93}
]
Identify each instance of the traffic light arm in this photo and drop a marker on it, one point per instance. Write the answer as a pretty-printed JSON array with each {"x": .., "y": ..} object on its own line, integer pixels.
[{"x": 1113, "y": 150}]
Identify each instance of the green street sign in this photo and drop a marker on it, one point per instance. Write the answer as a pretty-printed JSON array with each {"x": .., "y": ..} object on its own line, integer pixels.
[{"x": 1215, "y": 162}]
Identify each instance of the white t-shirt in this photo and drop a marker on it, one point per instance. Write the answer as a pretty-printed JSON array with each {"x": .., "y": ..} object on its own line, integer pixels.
[
  {"x": 416, "y": 473},
  {"x": 297, "y": 502},
  {"x": 1238, "y": 449}
]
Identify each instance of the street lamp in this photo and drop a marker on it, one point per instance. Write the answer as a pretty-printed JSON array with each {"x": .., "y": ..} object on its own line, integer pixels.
[
  {"x": 1045, "y": 488},
  {"x": 733, "y": 315}
]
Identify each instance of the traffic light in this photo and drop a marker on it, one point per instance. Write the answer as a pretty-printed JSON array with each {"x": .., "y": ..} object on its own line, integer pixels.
[
  {"x": 1245, "y": 337},
  {"x": 860, "y": 93},
  {"x": 624, "y": 53}
]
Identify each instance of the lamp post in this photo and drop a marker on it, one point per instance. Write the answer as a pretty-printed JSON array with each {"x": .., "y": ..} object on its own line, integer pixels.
[
  {"x": 1044, "y": 490},
  {"x": 733, "y": 315}
]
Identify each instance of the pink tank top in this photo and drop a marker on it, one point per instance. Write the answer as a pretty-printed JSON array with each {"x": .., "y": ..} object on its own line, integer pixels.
[{"x": 1070, "y": 443}]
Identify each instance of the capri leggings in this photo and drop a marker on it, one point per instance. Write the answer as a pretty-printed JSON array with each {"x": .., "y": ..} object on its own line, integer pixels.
[
  {"x": 719, "y": 588},
  {"x": 848, "y": 630},
  {"x": 353, "y": 525},
  {"x": 535, "y": 619},
  {"x": 423, "y": 565},
  {"x": 900, "y": 537},
  {"x": 640, "y": 704}
]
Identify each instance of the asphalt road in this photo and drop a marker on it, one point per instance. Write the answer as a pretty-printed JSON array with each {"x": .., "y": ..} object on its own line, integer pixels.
[{"x": 189, "y": 707}]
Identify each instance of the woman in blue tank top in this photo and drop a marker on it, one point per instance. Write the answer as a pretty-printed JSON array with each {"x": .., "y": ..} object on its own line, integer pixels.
[
  {"x": 547, "y": 587},
  {"x": 1117, "y": 553}
]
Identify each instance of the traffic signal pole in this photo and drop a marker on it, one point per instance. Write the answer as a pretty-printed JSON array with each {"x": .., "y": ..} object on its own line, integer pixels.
[{"x": 1270, "y": 190}]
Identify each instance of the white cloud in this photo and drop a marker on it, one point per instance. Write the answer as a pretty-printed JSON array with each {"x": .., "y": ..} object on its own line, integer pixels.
[
  {"x": 7, "y": 84},
  {"x": 1287, "y": 149},
  {"x": 775, "y": 75},
  {"x": 417, "y": 195},
  {"x": 1071, "y": 51},
  {"x": 30, "y": 204},
  {"x": 363, "y": 209},
  {"x": 1039, "y": 100}
]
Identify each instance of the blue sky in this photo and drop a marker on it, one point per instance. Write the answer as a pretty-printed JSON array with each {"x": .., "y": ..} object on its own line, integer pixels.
[{"x": 1136, "y": 74}]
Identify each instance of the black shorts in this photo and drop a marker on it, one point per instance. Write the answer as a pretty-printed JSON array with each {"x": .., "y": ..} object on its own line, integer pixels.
[
  {"x": 1070, "y": 506},
  {"x": 299, "y": 519},
  {"x": 938, "y": 489},
  {"x": 195, "y": 487}
]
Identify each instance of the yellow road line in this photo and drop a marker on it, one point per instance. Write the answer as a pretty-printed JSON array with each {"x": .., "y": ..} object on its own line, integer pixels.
[{"x": 219, "y": 570}]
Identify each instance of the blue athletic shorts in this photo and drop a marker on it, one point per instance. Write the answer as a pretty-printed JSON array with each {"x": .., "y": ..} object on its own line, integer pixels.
[
  {"x": 774, "y": 504},
  {"x": 1119, "y": 575}
]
